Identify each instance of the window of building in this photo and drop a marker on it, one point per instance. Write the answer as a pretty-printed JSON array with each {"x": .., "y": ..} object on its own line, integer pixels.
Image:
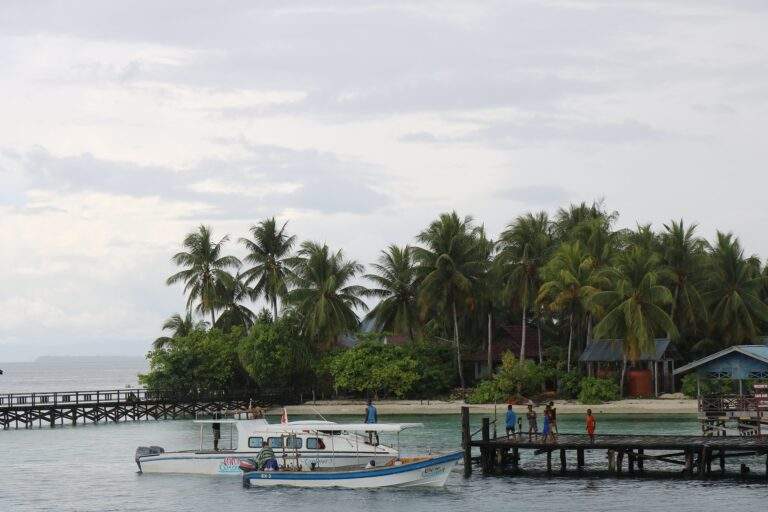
[
  {"x": 758, "y": 374},
  {"x": 315, "y": 443},
  {"x": 719, "y": 375}
]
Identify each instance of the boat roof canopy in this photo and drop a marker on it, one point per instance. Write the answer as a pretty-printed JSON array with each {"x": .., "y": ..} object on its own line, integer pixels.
[{"x": 296, "y": 427}]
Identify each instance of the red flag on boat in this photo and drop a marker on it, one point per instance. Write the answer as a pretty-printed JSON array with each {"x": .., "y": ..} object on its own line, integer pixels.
[{"x": 284, "y": 418}]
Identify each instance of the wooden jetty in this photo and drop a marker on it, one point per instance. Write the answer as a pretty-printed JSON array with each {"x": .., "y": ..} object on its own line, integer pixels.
[
  {"x": 27, "y": 410},
  {"x": 644, "y": 454}
]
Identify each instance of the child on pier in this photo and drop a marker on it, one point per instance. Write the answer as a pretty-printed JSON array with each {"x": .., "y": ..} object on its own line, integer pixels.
[
  {"x": 533, "y": 427},
  {"x": 591, "y": 425}
]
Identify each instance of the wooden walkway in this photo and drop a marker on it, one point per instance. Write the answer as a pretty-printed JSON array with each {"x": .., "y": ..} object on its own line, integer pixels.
[
  {"x": 27, "y": 410},
  {"x": 692, "y": 455}
]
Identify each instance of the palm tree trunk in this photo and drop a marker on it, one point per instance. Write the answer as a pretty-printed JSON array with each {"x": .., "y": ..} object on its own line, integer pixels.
[
  {"x": 538, "y": 336},
  {"x": 623, "y": 374},
  {"x": 589, "y": 328},
  {"x": 213, "y": 319},
  {"x": 490, "y": 344},
  {"x": 274, "y": 308},
  {"x": 570, "y": 341},
  {"x": 458, "y": 347},
  {"x": 522, "y": 342},
  {"x": 673, "y": 308}
]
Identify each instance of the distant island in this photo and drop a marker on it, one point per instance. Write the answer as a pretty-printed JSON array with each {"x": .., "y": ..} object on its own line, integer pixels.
[{"x": 88, "y": 359}]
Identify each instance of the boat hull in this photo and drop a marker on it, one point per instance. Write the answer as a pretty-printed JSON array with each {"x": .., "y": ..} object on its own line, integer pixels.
[
  {"x": 229, "y": 463},
  {"x": 432, "y": 472}
]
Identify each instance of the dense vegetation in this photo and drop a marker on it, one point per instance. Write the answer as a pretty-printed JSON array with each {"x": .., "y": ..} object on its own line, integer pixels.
[{"x": 574, "y": 276}]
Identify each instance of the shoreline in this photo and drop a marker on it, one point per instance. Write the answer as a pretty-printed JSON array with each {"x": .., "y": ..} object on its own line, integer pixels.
[{"x": 435, "y": 407}]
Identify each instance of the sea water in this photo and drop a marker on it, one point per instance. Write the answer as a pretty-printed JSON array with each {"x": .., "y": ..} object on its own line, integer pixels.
[{"x": 91, "y": 468}]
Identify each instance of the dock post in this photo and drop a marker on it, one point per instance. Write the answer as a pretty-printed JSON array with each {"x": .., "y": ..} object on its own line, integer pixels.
[
  {"x": 766, "y": 465},
  {"x": 688, "y": 461},
  {"x": 562, "y": 460},
  {"x": 485, "y": 450},
  {"x": 580, "y": 458},
  {"x": 466, "y": 441},
  {"x": 619, "y": 461},
  {"x": 640, "y": 454},
  {"x": 515, "y": 458},
  {"x": 708, "y": 461},
  {"x": 611, "y": 460},
  {"x": 549, "y": 462},
  {"x": 722, "y": 460},
  {"x": 631, "y": 461}
]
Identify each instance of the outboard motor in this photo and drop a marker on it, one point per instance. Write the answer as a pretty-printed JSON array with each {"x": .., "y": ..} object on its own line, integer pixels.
[
  {"x": 247, "y": 465},
  {"x": 143, "y": 451}
]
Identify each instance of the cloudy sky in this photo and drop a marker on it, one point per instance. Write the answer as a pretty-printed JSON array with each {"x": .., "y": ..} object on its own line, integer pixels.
[{"x": 123, "y": 125}]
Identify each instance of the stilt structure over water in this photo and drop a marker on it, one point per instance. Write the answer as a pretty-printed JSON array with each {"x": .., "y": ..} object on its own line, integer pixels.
[
  {"x": 27, "y": 410},
  {"x": 624, "y": 454}
]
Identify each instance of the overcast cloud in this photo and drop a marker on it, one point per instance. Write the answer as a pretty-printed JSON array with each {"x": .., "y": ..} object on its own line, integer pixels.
[{"x": 125, "y": 125}]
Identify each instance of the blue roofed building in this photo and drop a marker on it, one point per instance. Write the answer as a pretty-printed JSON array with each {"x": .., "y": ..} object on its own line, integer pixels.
[{"x": 738, "y": 363}]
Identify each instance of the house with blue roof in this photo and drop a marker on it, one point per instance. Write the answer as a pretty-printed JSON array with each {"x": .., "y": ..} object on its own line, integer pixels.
[{"x": 738, "y": 363}]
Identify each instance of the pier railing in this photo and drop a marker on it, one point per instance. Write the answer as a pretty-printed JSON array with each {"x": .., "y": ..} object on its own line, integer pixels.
[
  {"x": 724, "y": 404},
  {"x": 125, "y": 396}
]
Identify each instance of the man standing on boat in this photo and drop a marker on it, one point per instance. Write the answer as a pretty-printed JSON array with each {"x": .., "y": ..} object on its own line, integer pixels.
[{"x": 372, "y": 416}]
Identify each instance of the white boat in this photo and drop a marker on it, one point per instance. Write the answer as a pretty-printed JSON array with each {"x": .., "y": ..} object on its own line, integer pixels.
[
  {"x": 318, "y": 444},
  {"x": 429, "y": 471}
]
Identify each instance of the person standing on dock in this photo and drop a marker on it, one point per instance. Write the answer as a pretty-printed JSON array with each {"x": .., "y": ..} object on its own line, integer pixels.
[
  {"x": 511, "y": 420},
  {"x": 591, "y": 426},
  {"x": 372, "y": 416},
  {"x": 553, "y": 421},
  {"x": 533, "y": 427},
  {"x": 545, "y": 429}
]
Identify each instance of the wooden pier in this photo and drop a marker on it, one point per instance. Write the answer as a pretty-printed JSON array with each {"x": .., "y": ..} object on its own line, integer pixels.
[
  {"x": 646, "y": 455},
  {"x": 27, "y": 410}
]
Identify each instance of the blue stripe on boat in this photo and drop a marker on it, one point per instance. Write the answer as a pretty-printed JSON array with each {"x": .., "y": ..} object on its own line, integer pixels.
[{"x": 343, "y": 475}]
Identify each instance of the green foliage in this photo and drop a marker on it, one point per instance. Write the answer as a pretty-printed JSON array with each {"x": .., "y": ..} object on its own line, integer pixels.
[
  {"x": 569, "y": 384},
  {"x": 597, "y": 391},
  {"x": 374, "y": 369},
  {"x": 486, "y": 392},
  {"x": 199, "y": 361},
  {"x": 437, "y": 368},
  {"x": 511, "y": 377},
  {"x": 707, "y": 386},
  {"x": 276, "y": 354}
]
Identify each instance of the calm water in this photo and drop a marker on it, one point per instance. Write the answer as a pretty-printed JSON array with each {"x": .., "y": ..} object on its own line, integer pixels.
[{"x": 91, "y": 468}]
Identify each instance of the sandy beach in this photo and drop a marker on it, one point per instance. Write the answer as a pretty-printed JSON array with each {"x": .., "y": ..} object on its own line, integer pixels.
[{"x": 674, "y": 404}]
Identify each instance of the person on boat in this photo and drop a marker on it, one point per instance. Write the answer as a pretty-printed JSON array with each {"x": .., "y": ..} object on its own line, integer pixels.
[
  {"x": 511, "y": 420},
  {"x": 372, "y": 416},
  {"x": 265, "y": 455},
  {"x": 533, "y": 426},
  {"x": 216, "y": 435},
  {"x": 591, "y": 425}
]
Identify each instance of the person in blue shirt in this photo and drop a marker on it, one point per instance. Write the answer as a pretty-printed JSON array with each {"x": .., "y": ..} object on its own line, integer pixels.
[
  {"x": 511, "y": 420},
  {"x": 372, "y": 416}
]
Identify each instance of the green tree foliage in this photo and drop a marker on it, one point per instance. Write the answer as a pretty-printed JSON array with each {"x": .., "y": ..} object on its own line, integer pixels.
[
  {"x": 199, "y": 361},
  {"x": 375, "y": 369},
  {"x": 205, "y": 265},
  {"x": 179, "y": 327},
  {"x": 324, "y": 294},
  {"x": 511, "y": 379},
  {"x": 275, "y": 353},
  {"x": 269, "y": 254},
  {"x": 597, "y": 391},
  {"x": 394, "y": 277},
  {"x": 231, "y": 293}
]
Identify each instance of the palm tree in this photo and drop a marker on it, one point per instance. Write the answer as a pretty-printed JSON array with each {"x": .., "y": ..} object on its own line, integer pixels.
[
  {"x": 734, "y": 289},
  {"x": 205, "y": 266},
  {"x": 268, "y": 252},
  {"x": 230, "y": 295},
  {"x": 569, "y": 284},
  {"x": 683, "y": 254},
  {"x": 635, "y": 305},
  {"x": 179, "y": 327},
  {"x": 450, "y": 261},
  {"x": 525, "y": 247},
  {"x": 567, "y": 220},
  {"x": 395, "y": 279},
  {"x": 323, "y": 294}
]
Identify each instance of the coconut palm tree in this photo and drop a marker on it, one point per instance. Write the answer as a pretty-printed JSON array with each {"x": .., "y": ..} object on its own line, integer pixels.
[
  {"x": 179, "y": 327},
  {"x": 734, "y": 288},
  {"x": 269, "y": 253},
  {"x": 635, "y": 305},
  {"x": 394, "y": 277},
  {"x": 204, "y": 267},
  {"x": 450, "y": 260},
  {"x": 567, "y": 220},
  {"x": 524, "y": 248},
  {"x": 570, "y": 281},
  {"x": 231, "y": 292},
  {"x": 683, "y": 253},
  {"x": 323, "y": 293}
]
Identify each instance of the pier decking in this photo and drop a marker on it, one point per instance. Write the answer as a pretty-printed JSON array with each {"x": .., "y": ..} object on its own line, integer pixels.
[
  {"x": 692, "y": 455},
  {"x": 26, "y": 410}
]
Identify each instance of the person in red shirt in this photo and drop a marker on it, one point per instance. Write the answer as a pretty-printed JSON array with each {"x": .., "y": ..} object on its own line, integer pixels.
[{"x": 591, "y": 425}]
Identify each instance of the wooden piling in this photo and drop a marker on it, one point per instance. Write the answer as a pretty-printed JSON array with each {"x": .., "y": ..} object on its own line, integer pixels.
[
  {"x": 562, "y": 461},
  {"x": 485, "y": 455},
  {"x": 549, "y": 462},
  {"x": 721, "y": 452},
  {"x": 640, "y": 457},
  {"x": 466, "y": 441},
  {"x": 580, "y": 458},
  {"x": 631, "y": 461}
]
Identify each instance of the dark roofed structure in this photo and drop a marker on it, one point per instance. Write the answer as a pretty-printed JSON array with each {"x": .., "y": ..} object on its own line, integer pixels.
[
  {"x": 509, "y": 341},
  {"x": 605, "y": 357}
]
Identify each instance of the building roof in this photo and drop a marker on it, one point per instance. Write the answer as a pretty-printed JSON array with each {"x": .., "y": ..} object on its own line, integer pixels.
[
  {"x": 756, "y": 352},
  {"x": 611, "y": 351}
]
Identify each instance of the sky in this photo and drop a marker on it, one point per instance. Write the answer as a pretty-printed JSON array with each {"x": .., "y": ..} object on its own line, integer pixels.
[{"x": 124, "y": 125}]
